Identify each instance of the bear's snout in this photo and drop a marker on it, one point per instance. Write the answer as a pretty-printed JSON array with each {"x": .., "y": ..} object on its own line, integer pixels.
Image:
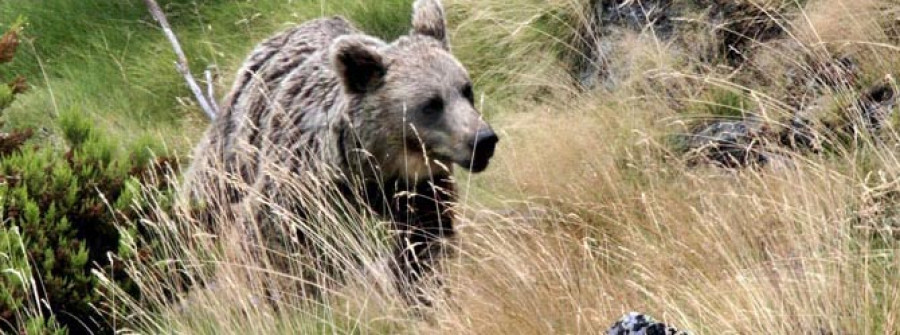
[{"x": 482, "y": 145}]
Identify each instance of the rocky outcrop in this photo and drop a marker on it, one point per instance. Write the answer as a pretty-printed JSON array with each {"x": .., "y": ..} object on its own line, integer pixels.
[
  {"x": 815, "y": 119},
  {"x": 743, "y": 42},
  {"x": 751, "y": 142},
  {"x": 735, "y": 25}
]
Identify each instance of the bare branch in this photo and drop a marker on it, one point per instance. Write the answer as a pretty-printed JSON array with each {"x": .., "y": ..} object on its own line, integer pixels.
[
  {"x": 210, "y": 87},
  {"x": 181, "y": 63}
]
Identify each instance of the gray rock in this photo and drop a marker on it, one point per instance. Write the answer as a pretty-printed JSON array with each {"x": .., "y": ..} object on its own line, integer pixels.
[
  {"x": 740, "y": 25},
  {"x": 608, "y": 19},
  {"x": 638, "y": 15},
  {"x": 639, "y": 324},
  {"x": 729, "y": 144},
  {"x": 800, "y": 135},
  {"x": 876, "y": 105}
]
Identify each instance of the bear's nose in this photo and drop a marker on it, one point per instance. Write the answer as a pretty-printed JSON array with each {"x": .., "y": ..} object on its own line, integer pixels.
[
  {"x": 485, "y": 139},
  {"x": 482, "y": 146}
]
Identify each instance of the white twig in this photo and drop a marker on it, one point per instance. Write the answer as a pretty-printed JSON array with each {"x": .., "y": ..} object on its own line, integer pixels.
[
  {"x": 210, "y": 88},
  {"x": 181, "y": 63}
]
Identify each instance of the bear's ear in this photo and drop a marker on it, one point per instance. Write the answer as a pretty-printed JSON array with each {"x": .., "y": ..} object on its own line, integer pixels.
[
  {"x": 358, "y": 63},
  {"x": 428, "y": 19}
]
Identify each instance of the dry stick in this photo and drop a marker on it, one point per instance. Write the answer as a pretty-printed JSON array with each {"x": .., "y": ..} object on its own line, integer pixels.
[
  {"x": 182, "y": 64},
  {"x": 210, "y": 90}
]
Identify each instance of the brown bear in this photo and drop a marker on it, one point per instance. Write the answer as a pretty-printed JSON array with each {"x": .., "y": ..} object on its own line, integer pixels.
[{"x": 381, "y": 122}]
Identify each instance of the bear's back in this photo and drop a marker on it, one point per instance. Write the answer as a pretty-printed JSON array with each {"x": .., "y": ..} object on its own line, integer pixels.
[
  {"x": 270, "y": 62},
  {"x": 243, "y": 112}
]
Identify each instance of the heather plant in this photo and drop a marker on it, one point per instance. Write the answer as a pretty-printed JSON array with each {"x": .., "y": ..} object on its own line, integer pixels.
[{"x": 64, "y": 212}]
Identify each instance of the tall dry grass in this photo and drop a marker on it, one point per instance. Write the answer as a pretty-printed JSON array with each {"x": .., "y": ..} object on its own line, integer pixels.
[
  {"x": 588, "y": 211},
  {"x": 776, "y": 250}
]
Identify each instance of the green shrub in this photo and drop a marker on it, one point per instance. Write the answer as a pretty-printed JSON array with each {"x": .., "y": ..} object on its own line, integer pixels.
[
  {"x": 69, "y": 207},
  {"x": 16, "y": 278},
  {"x": 62, "y": 210}
]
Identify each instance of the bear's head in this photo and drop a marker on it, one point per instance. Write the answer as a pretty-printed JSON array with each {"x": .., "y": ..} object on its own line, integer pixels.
[{"x": 414, "y": 107}]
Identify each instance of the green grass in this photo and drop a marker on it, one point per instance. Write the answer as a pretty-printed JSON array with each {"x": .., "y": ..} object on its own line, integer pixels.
[
  {"x": 107, "y": 58},
  {"x": 514, "y": 51}
]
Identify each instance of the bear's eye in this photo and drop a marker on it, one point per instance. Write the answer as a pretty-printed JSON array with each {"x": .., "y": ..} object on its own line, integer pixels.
[
  {"x": 433, "y": 106},
  {"x": 468, "y": 94}
]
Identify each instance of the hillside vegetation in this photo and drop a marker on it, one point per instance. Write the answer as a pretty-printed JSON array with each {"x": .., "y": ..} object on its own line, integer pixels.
[{"x": 729, "y": 167}]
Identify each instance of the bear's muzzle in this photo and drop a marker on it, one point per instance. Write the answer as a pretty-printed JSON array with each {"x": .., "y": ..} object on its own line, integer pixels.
[{"x": 482, "y": 145}]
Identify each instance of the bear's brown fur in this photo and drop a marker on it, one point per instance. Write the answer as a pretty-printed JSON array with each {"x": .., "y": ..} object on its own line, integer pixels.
[{"x": 382, "y": 121}]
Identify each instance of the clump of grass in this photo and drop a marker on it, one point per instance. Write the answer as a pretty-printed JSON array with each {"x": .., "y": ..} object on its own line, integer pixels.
[
  {"x": 229, "y": 269},
  {"x": 615, "y": 225},
  {"x": 771, "y": 250},
  {"x": 722, "y": 103},
  {"x": 516, "y": 51}
]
